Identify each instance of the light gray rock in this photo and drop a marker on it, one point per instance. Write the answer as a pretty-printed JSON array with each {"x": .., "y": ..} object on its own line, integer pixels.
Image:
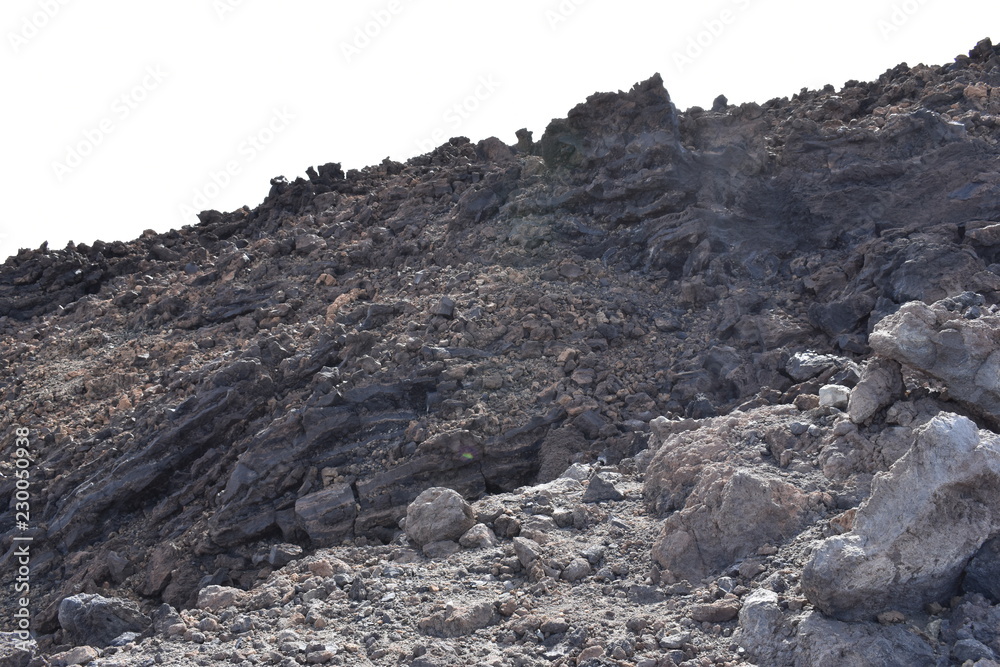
[
  {"x": 577, "y": 471},
  {"x": 527, "y": 551},
  {"x": 880, "y": 386},
  {"x": 478, "y": 537},
  {"x": 601, "y": 489},
  {"x": 824, "y": 642},
  {"x": 438, "y": 514},
  {"x": 834, "y": 396},
  {"x": 458, "y": 620},
  {"x": 805, "y": 365},
  {"x": 729, "y": 514},
  {"x": 763, "y": 630},
  {"x": 94, "y": 620},
  {"x": 962, "y": 353},
  {"x": 217, "y": 598},
  {"x": 577, "y": 570},
  {"x": 441, "y": 549},
  {"x": 911, "y": 539}
]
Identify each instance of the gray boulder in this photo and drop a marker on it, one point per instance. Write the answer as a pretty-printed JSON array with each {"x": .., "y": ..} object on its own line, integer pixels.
[
  {"x": 438, "y": 514},
  {"x": 729, "y": 514},
  {"x": 912, "y": 538},
  {"x": 95, "y": 620},
  {"x": 880, "y": 386},
  {"x": 825, "y": 642},
  {"x": 937, "y": 340},
  {"x": 773, "y": 637}
]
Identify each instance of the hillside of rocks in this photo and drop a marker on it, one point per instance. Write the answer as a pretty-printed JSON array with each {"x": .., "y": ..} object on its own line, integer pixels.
[{"x": 659, "y": 388}]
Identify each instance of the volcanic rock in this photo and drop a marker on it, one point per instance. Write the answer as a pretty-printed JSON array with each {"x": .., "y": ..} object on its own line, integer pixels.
[
  {"x": 252, "y": 403},
  {"x": 923, "y": 522},
  {"x": 438, "y": 514},
  {"x": 942, "y": 342},
  {"x": 95, "y": 620}
]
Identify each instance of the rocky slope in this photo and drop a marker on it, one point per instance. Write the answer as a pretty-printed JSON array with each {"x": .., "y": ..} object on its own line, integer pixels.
[{"x": 765, "y": 335}]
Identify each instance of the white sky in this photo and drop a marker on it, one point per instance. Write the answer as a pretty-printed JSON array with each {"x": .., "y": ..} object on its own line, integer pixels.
[{"x": 119, "y": 112}]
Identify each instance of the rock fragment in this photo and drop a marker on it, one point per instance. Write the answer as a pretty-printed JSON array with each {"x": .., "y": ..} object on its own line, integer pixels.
[
  {"x": 834, "y": 396},
  {"x": 937, "y": 340},
  {"x": 601, "y": 488},
  {"x": 217, "y": 598},
  {"x": 478, "y": 537},
  {"x": 728, "y": 515},
  {"x": 438, "y": 513},
  {"x": 95, "y": 620},
  {"x": 458, "y": 620},
  {"x": 880, "y": 386}
]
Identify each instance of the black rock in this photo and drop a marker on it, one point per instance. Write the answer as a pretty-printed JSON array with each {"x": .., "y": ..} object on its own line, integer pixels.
[
  {"x": 95, "y": 620},
  {"x": 982, "y": 574},
  {"x": 601, "y": 489}
]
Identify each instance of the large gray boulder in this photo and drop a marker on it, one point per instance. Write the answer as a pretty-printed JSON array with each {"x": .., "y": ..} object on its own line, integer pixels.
[
  {"x": 913, "y": 537},
  {"x": 729, "y": 515},
  {"x": 438, "y": 514},
  {"x": 95, "y": 620},
  {"x": 940, "y": 341},
  {"x": 772, "y": 637}
]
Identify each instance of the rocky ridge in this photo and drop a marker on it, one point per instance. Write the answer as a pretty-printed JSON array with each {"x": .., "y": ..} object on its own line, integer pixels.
[{"x": 710, "y": 380}]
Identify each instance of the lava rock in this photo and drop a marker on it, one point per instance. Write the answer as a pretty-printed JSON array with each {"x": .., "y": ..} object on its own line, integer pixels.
[
  {"x": 982, "y": 574},
  {"x": 95, "y": 620}
]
